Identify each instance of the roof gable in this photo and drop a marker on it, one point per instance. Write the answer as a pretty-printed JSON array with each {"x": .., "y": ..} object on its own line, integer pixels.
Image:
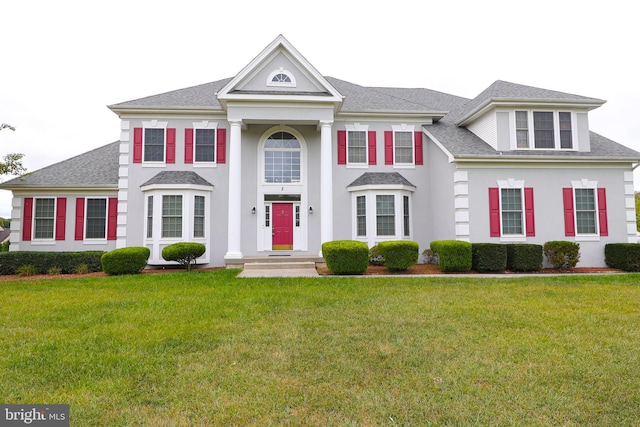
[{"x": 256, "y": 80}]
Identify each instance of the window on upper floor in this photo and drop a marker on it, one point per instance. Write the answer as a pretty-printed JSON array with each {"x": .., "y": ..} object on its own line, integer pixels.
[
  {"x": 205, "y": 145},
  {"x": 356, "y": 147},
  {"x": 403, "y": 147},
  {"x": 545, "y": 130},
  {"x": 282, "y": 159},
  {"x": 281, "y": 77},
  {"x": 153, "y": 145}
]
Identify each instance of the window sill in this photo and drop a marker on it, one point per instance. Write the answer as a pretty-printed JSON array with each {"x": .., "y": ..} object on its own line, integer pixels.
[
  {"x": 513, "y": 238},
  {"x": 43, "y": 242},
  {"x": 205, "y": 164},
  {"x": 587, "y": 238},
  {"x": 154, "y": 165},
  {"x": 357, "y": 166},
  {"x": 404, "y": 166},
  {"x": 95, "y": 242}
]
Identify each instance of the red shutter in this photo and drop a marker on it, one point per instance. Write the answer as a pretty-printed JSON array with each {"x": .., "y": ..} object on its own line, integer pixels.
[
  {"x": 494, "y": 211},
  {"x": 171, "y": 145},
  {"x": 342, "y": 147},
  {"x": 528, "y": 211},
  {"x": 602, "y": 211},
  {"x": 569, "y": 223},
  {"x": 112, "y": 218},
  {"x": 418, "y": 148},
  {"x": 79, "y": 234},
  {"x": 61, "y": 217},
  {"x": 221, "y": 153},
  {"x": 388, "y": 147},
  {"x": 27, "y": 218},
  {"x": 372, "y": 147},
  {"x": 137, "y": 145},
  {"x": 188, "y": 146}
]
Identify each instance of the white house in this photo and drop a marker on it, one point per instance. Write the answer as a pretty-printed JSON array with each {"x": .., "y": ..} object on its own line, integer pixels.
[{"x": 279, "y": 159}]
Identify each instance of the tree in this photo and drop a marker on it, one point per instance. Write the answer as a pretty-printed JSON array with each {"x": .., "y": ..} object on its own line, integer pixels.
[{"x": 11, "y": 163}]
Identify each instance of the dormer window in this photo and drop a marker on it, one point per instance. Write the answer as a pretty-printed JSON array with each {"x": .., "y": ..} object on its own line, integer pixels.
[
  {"x": 281, "y": 77},
  {"x": 551, "y": 130}
]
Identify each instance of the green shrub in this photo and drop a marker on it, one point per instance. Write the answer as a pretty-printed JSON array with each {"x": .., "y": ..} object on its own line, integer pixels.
[
  {"x": 4, "y": 247},
  {"x": 375, "y": 258},
  {"x": 10, "y": 262},
  {"x": 562, "y": 254},
  {"x": 26, "y": 270},
  {"x": 346, "y": 256},
  {"x": 524, "y": 257},
  {"x": 488, "y": 257},
  {"x": 81, "y": 269},
  {"x": 623, "y": 256},
  {"x": 453, "y": 255},
  {"x": 125, "y": 260},
  {"x": 399, "y": 254},
  {"x": 184, "y": 253}
]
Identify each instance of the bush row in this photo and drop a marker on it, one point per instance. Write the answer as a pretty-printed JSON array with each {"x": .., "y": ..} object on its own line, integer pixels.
[
  {"x": 623, "y": 256},
  {"x": 43, "y": 262},
  {"x": 456, "y": 255},
  {"x": 353, "y": 257}
]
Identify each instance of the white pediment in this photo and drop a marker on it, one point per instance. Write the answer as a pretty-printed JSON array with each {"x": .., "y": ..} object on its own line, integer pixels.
[{"x": 279, "y": 73}]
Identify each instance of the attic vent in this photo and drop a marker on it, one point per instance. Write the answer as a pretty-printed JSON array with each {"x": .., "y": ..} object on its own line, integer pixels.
[{"x": 281, "y": 77}]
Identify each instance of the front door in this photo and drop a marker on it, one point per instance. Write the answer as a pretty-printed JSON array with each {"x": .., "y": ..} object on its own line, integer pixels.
[{"x": 282, "y": 230}]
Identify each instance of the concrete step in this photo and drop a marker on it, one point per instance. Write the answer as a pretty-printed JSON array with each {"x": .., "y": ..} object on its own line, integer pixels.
[{"x": 294, "y": 265}]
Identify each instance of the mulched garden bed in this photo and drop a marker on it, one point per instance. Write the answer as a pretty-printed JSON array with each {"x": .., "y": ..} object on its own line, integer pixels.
[{"x": 375, "y": 270}]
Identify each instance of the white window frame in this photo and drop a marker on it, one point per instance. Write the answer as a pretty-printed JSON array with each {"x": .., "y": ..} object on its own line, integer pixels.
[
  {"x": 357, "y": 127},
  {"x": 585, "y": 184},
  {"x": 287, "y": 73},
  {"x": 517, "y": 185},
  {"x": 205, "y": 124},
  {"x": 370, "y": 193},
  {"x": 154, "y": 124},
  {"x": 34, "y": 222},
  {"x": 556, "y": 129},
  {"x": 410, "y": 129},
  {"x": 86, "y": 219}
]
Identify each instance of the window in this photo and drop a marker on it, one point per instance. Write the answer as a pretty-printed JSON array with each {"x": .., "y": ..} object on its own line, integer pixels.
[
  {"x": 565, "y": 130},
  {"x": 522, "y": 129},
  {"x": 357, "y": 147},
  {"x": 361, "y": 216},
  {"x": 171, "y": 216},
  {"x": 282, "y": 159},
  {"x": 267, "y": 216},
  {"x": 551, "y": 130},
  {"x": 511, "y": 203},
  {"x": 385, "y": 215},
  {"x": 153, "y": 145},
  {"x": 281, "y": 77},
  {"x": 585, "y": 211},
  {"x": 44, "y": 218},
  {"x": 198, "y": 216},
  {"x": 149, "y": 217},
  {"x": 403, "y": 147},
  {"x": 205, "y": 145},
  {"x": 96, "y": 223},
  {"x": 405, "y": 216}
]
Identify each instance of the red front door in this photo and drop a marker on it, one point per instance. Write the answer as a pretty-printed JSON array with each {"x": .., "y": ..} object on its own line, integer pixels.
[{"x": 282, "y": 226}]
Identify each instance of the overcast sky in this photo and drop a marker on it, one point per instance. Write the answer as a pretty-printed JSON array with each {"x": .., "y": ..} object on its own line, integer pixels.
[{"x": 62, "y": 62}]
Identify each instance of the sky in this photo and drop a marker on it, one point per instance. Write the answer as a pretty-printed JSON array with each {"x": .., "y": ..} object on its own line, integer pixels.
[{"x": 62, "y": 62}]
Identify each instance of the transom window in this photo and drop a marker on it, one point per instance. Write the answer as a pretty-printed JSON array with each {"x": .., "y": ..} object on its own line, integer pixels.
[
  {"x": 44, "y": 217},
  {"x": 403, "y": 147},
  {"x": 205, "y": 145},
  {"x": 96, "y": 224},
  {"x": 356, "y": 146},
  {"x": 282, "y": 159},
  {"x": 153, "y": 145},
  {"x": 281, "y": 78},
  {"x": 551, "y": 130}
]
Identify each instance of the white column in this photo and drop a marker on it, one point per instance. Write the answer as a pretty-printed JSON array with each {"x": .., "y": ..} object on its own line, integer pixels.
[
  {"x": 235, "y": 188},
  {"x": 326, "y": 184}
]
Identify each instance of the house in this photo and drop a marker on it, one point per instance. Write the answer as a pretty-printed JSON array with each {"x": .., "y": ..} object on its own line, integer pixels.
[{"x": 279, "y": 159}]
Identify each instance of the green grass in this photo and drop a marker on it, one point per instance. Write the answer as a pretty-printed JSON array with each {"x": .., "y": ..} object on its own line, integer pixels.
[{"x": 206, "y": 348}]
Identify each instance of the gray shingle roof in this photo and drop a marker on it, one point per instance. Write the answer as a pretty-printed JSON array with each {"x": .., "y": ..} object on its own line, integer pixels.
[
  {"x": 380, "y": 178},
  {"x": 95, "y": 168},
  {"x": 178, "y": 177}
]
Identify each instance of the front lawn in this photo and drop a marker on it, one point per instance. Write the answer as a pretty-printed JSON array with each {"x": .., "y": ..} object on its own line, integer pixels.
[{"x": 206, "y": 348}]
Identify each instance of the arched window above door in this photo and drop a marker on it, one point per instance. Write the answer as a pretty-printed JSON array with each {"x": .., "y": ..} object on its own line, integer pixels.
[{"x": 282, "y": 159}]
